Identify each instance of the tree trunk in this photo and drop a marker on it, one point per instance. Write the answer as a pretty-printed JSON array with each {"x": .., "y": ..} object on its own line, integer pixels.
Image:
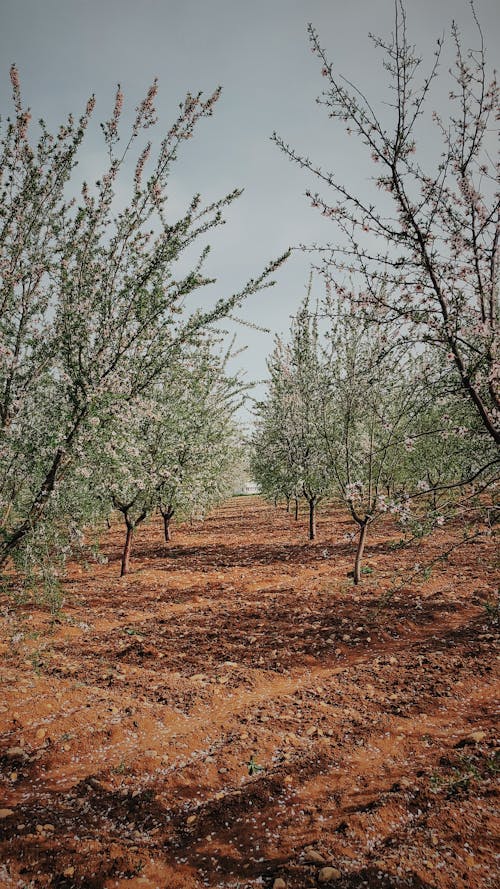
[
  {"x": 359, "y": 553},
  {"x": 42, "y": 498},
  {"x": 166, "y": 526},
  {"x": 126, "y": 551},
  {"x": 312, "y": 519},
  {"x": 288, "y": 504},
  {"x": 296, "y": 508}
]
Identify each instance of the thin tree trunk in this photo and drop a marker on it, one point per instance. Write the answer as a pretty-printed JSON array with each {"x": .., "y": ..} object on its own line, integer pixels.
[
  {"x": 166, "y": 527},
  {"x": 296, "y": 508},
  {"x": 126, "y": 551},
  {"x": 360, "y": 550},
  {"x": 312, "y": 519},
  {"x": 288, "y": 504},
  {"x": 42, "y": 498}
]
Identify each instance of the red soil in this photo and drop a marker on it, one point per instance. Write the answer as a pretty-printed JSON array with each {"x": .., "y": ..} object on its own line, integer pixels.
[{"x": 126, "y": 728}]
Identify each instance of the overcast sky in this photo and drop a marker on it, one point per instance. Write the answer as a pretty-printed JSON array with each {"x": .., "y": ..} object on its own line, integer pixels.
[{"x": 258, "y": 51}]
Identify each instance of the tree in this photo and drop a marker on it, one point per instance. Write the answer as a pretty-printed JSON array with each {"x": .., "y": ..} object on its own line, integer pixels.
[
  {"x": 431, "y": 237},
  {"x": 91, "y": 299},
  {"x": 381, "y": 424},
  {"x": 289, "y": 453},
  {"x": 354, "y": 414},
  {"x": 172, "y": 451},
  {"x": 198, "y": 441}
]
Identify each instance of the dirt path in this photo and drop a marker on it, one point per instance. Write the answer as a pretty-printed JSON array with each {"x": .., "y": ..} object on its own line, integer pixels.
[{"x": 126, "y": 730}]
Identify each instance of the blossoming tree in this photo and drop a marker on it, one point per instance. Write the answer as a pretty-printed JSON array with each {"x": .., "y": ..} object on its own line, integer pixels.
[
  {"x": 430, "y": 234},
  {"x": 288, "y": 449},
  {"x": 367, "y": 421},
  {"x": 92, "y": 298}
]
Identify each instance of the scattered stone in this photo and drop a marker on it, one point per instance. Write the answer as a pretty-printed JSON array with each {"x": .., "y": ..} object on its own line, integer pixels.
[
  {"x": 191, "y": 819},
  {"x": 314, "y": 857},
  {"x": 478, "y": 736},
  {"x": 5, "y": 813},
  {"x": 470, "y": 740},
  {"x": 69, "y": 872},
  {"x": 327, "y": 874},
  {"x": 279, "y": 883},
  {"x": 15, "y": 753}
]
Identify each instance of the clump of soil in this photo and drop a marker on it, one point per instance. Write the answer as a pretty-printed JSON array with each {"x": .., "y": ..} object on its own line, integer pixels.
[{"x": 234, "y": 713}]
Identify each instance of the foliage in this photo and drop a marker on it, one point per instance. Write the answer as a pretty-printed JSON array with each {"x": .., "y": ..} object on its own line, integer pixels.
[
  {"x": 353, "y": 411},
  {"x": 175, "y": 450},
  {"x": 92, "y": 302},
  {"x": 289, "y": 456},
  {"x": 424, "y": 251}
]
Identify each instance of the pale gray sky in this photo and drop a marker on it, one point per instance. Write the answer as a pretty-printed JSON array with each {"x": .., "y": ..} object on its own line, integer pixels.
[{"x": 258, "y": 51}]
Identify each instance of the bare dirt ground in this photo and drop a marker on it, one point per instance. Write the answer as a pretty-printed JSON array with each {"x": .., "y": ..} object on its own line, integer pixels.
[{"x": 127, "y": 728}]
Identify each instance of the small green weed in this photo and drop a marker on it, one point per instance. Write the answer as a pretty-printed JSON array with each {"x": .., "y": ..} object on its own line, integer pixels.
[{"x": 253, "y": 767}]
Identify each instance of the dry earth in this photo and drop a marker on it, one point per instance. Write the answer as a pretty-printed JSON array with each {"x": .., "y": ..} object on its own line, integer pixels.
[{"x": 127, "y": 727}]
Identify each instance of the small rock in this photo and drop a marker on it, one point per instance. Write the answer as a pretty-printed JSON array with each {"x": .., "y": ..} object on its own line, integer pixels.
[
  {"x": 314, "y": 857},
  {"x": 4, "y": 813},
  {"x": 327, "y": 874},
  {"x": 69, "y": 871},
  {"x": 478, "y": 736},
  {"x": 279, "y": 883},
  {"x": 470, "y": 740},
  {"x": 191, "y": 819},
  {"x": 15, "y": 753}
]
